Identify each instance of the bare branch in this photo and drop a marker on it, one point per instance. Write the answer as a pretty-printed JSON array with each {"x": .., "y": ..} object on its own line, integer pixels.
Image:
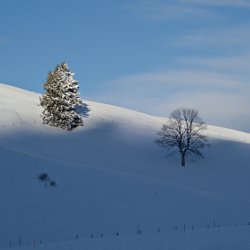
[{"x": 183, "y": 133}]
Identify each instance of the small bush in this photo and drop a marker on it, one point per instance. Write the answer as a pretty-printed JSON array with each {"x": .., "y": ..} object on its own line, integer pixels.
[
  {"x": 43, "y": 176},
  {"x": 52, "y": 183}
]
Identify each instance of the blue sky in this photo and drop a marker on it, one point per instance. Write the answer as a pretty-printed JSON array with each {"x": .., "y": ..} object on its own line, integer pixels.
[{"x": 147, "y": 55}]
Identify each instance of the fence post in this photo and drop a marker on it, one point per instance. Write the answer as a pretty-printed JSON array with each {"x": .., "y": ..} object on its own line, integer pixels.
[
  {"x": 138, "y": 230},
  {"x": 20, "y": 241}
]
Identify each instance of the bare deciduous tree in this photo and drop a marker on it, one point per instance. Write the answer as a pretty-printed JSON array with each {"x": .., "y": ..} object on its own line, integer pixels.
[{"x": 183, "y": 134}]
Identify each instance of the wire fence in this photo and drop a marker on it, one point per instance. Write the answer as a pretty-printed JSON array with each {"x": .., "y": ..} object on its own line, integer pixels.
[{"x": 21, "y": 242}]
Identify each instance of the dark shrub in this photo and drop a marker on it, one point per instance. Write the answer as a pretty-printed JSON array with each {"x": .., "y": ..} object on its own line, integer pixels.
[{"x": 43, "y": 176}]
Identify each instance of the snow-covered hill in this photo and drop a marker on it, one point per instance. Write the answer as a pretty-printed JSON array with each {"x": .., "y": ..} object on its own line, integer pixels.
[{"x": 111, "y": 177}]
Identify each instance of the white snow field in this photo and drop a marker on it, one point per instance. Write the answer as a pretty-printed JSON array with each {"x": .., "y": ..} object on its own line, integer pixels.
[{"x": 111, "y": 178}]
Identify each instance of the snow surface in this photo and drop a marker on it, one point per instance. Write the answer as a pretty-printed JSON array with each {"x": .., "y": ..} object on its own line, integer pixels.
[{"x": 111, "y": 177}]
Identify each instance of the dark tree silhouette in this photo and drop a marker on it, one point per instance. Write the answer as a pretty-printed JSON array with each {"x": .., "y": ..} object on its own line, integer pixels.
[{"x": 183, "y": 134}]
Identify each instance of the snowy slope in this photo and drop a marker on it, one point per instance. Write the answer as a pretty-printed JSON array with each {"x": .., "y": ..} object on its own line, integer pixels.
[{"x": 111, "y": 177}]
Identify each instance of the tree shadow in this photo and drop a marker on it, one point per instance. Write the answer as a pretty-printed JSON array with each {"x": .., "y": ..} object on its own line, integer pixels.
[{"x": 83, "y": 110}]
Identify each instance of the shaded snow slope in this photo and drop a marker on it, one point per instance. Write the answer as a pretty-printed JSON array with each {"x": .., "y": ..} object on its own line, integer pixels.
[{"x": 111, "y": 177}]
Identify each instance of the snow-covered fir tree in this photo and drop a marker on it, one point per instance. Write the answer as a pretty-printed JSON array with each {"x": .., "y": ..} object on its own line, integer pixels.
[{"x": 61, "y": 100}]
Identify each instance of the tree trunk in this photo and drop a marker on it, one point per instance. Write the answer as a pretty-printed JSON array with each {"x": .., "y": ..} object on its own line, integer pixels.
[{"x": 183, "y": 160}]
